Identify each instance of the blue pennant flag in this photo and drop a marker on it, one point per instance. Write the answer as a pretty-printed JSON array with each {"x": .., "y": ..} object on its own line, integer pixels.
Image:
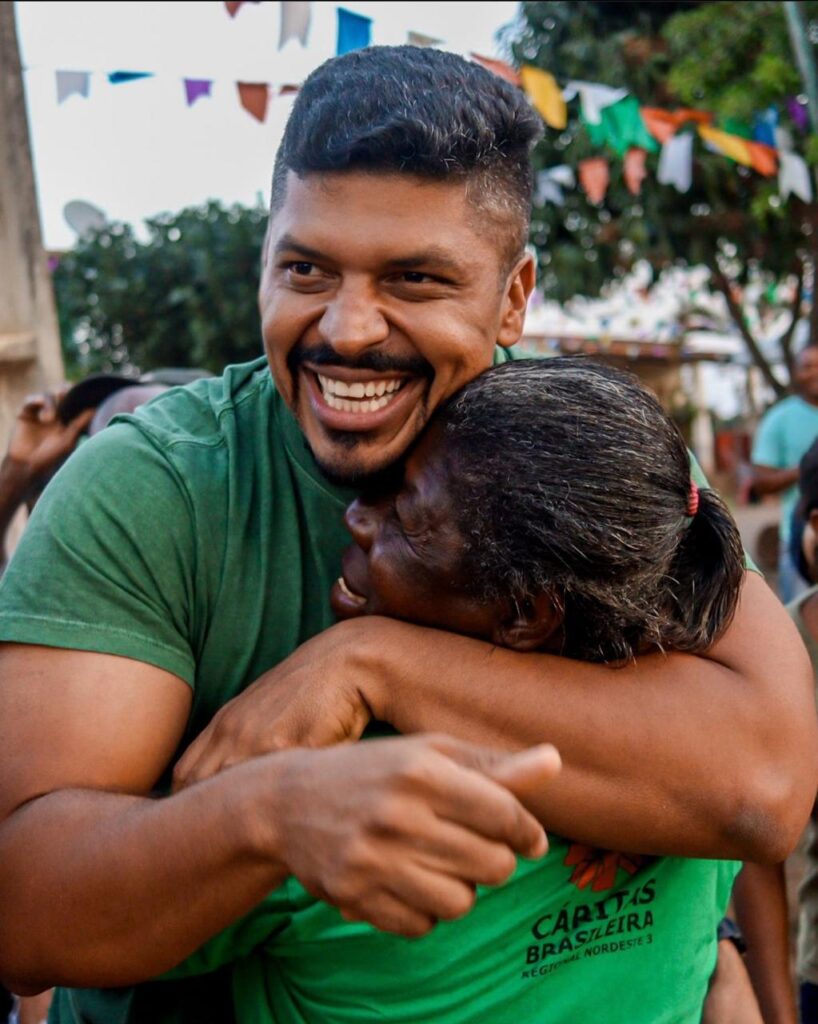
[
  {"x": 118, "y": 77},
  {"x": 354, "y": 31},
  {"x": 764, "y": 126}
]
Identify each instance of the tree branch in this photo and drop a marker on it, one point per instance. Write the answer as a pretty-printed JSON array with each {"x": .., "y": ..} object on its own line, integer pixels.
[
  {"x": 787, "y": 336},
  {"x": 737, "y": 314}
]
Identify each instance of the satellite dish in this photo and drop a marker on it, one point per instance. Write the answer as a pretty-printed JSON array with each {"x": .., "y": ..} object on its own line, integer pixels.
[{"x": 83, "y": 217}]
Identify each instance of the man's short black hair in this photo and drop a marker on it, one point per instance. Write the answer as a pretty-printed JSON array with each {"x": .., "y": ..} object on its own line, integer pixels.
[{"x": 417, "y": 111}]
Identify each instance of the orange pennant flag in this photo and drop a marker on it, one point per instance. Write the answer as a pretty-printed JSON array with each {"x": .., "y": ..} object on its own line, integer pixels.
[
  {"x": 594, "y": 176},
  {"x": 254, "y": 97},
  {"x": 233, "y": 6},
  {"x": 663, "y": 124},
  {"x": 763, "y": 158},
  {"x": 634, "y": 171},
  {"x": 497, "y": 67},
  {"x": 546, "y": 96}
]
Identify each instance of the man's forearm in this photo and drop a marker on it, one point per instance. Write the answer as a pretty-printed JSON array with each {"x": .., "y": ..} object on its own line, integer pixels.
[
  {"x": 103, "y": 889},
  {"x": 672, "y": 755}
]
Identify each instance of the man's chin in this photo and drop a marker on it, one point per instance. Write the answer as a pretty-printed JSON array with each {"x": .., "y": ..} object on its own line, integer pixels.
[{"x": 348, "y": 459}]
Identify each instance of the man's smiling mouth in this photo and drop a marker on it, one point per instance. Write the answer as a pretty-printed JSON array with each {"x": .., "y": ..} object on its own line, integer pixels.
[{"x": 359, "y": 396}]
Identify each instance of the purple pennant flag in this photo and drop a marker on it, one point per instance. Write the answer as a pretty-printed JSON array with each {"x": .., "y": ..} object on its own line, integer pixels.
[
  {"x": 196, "y": 88},
  {"x": 798, "y": 113}
]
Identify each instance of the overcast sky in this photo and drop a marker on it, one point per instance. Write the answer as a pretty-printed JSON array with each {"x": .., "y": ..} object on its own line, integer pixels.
[{"x": 136, "y": 149}]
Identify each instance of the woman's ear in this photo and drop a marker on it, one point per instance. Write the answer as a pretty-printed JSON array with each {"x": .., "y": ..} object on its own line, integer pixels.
[{"x": 529, "y": 625}]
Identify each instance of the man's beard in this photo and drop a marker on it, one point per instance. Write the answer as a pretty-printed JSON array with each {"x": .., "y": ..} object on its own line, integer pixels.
[{"x": 376, "y": 361}]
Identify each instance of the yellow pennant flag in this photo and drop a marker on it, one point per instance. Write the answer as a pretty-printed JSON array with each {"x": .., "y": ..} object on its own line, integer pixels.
[
  {"x": 546, "y": 96},
  {"x": 733, "y": 146}
]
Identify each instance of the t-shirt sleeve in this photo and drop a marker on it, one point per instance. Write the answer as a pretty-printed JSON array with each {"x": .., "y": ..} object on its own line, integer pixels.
[
  {"x": 107, "y": 560},
  {"x": 767, "y": 448}
]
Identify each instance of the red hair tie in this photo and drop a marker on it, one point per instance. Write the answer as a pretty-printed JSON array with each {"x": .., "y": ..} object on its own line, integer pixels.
[{"x": 693, "y": 500}]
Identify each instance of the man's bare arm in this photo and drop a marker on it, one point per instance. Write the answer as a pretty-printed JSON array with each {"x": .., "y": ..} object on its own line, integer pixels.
[
  {"x": 698, "y": 756},
  {"x": 102, "y": 886}
]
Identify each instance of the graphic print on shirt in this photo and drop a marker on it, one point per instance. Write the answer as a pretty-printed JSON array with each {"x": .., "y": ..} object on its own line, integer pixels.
[{"x": 619, "y": 921}]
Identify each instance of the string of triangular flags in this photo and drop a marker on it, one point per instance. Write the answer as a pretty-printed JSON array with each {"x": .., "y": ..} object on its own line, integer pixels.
[
  {"x": 614, "y": 117},
  {"x": 354, "y": 32}
]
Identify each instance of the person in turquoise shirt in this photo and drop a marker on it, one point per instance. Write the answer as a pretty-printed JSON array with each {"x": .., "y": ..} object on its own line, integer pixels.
[
  {"x": 171, "y": 594},
  {"x": 784, "y": 435}
]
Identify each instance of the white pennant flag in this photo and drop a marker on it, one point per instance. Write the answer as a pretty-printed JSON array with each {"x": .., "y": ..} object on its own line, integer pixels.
[
  {"x": 793, "y": 176},
  {"x": 295, "y": 22},
  {"x": 593, "y": 98},
  {"x": 676, "y": 162},
  {"x": 71, "y": 82},
  {"x": 551, "y": 182}
]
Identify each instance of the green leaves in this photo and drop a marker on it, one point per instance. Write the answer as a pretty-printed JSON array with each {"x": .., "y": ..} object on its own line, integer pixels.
[{"x": 183, "y": 296}]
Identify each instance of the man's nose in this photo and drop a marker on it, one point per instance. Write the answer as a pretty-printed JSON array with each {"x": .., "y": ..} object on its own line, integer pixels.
[
  {"x": 362, "y": 519},
  {"x": 353, "y": 320}
]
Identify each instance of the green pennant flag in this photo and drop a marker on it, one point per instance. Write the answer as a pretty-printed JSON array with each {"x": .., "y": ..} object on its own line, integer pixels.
[
  {"x": 621, "y": 126},
  {"x": 733, "y": 126}
]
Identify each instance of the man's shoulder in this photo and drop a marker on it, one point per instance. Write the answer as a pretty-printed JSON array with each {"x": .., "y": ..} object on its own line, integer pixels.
[{"x": 205, "y": 412}]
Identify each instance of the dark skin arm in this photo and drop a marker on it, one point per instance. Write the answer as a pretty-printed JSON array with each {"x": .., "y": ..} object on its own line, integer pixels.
[
  {"x": 39, "y": 443},
  {"x": 760, "y": 902},
  {"x": 649, "y": 750},
  {"x": 769, "y": 480},
  {"x": 100, "y": 885}
]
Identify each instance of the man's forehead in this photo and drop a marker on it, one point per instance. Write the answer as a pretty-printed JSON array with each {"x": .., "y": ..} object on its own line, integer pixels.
[{"x": 395, "y": 218}]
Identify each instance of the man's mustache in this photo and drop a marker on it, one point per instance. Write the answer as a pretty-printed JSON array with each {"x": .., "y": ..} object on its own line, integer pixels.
[{"x": 375, "y": 360}]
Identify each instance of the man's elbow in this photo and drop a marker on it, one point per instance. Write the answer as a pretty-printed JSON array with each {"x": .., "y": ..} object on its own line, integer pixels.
[{"x": 775, "y": 794}]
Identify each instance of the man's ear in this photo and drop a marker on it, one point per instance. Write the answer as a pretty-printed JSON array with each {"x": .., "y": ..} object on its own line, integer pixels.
[
  {"x": 515, "y": 301},
  {"x": 529, "y": 625}
]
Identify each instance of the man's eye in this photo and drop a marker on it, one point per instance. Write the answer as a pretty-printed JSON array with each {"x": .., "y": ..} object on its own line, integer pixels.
[
  {"x": 416, "y": 277},
  {"x": 301, "y": 268}
]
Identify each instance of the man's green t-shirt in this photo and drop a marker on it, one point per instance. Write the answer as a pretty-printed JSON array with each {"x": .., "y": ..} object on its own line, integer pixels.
[{"x": 200, "y": 537}]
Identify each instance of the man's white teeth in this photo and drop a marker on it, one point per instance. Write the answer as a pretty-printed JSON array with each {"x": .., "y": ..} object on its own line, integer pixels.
[
  {"x": 357, "y": 598},
  {"x": 347, "y": 397}
]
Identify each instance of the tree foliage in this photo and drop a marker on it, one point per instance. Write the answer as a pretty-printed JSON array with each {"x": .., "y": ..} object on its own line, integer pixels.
[
  {"x": 730, "y": 58},
  {"x": 184, "y": 296}
]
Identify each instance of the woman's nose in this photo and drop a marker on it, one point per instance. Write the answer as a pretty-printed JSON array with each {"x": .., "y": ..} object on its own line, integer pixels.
[{"x": 362, "y": 519}]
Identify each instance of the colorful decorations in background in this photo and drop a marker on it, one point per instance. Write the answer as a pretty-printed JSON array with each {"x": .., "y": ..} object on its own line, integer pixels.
[
  {"x": 254, "y": 97},
  {"x": 634, "y": 171},
  {"x": 676, "y": 162},
  {"x": 295, "y": 22},
  {"x": 70, "y": 83},
  {"x": 195, "y": 88},
  {"x": 550, "y": 184},
  {"x": 594, "y": 177},
  {"x": 118, "y": 77},
  {"x": 354, "y": 31},
  {"x": 613, "y": 118},
  {"x": 545, "y": 95}
]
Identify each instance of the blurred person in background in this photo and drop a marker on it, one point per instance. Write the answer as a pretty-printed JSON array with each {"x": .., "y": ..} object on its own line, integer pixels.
[{"x": 785, "y": 433}]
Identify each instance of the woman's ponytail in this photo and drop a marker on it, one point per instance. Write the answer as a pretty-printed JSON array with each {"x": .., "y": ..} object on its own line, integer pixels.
[{"x": 706, "y": 575}]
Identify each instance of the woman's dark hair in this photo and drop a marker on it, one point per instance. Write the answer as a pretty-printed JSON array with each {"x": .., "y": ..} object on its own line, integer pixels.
[
  {"x": 570, "y": 479},
  {"x": 417, "y": 111}
]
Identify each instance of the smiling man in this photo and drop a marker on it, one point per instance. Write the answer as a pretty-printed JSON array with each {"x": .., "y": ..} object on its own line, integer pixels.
[{"x": 174, "y": 583}]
